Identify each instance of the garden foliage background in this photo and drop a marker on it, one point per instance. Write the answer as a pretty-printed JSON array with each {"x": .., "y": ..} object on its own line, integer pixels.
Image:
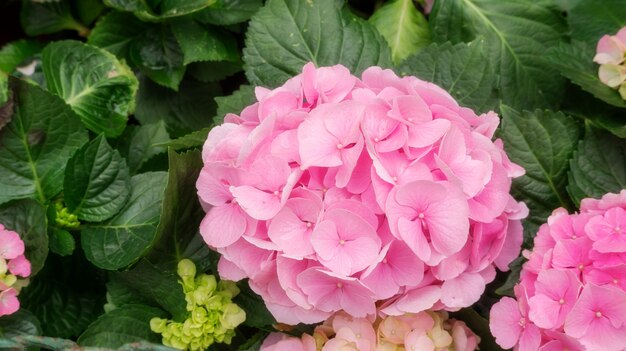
[{"x": 105, "y": 105}]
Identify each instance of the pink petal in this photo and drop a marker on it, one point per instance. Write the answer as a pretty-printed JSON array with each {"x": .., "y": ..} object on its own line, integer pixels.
[
  {"x": 415, "y": 301},
  {"x": 463, "y": 290},
  {"x": 19, "y": 266},
  {"x": 11, "y": 245},
  {"x": 9, "y": 303},
  {"x": 223, "y": 225},
  {"x": 504, "y": 322},
  {"x": 257, "y": 203}
]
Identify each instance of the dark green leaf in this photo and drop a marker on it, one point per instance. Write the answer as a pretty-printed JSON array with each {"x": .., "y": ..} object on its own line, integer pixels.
[
  {"x": 462, "y": 69},
  {"x": 4, "y": 89},
  {"x": 213, "y": 71},
  {"x": 404, "y": 28},
  {"x": 227, "y": 12},
  {"x": 286, "y": 34},
  {"x": 167, "y": 8},
  {"x": 583, "y": 105},
  {"x": 35, "y": 146},
  {"x": 513, "y": 278},
  {"x": 97, "y": 181},
  {"x": 191, "y": 140},
  {"x": 542, "y": 142},
  {"x": 98, "y": 87},
  {"x": 598, "y": 166},
  {"x": 146, "y": 142},
  {"x": 127, "y": 236},
  {"x": 119, "y": 294},
  {"x": 115, "y": 32},
  {"x": 15, "y": 53},
  {"x": 575, "y": 62},
  {"x": 590, "y": 20},
  {"x": 62, "y": 242},
  {"x": 21, "y": 322},
  {"x": 517, "y": 34},
  {"x": 89, "y": 10},
  {"x": 257, "y": 315},
  {"x": 234, "y": 103},
  {"x": 28, "y": 219},
  {"x": 129, "y": 323},
  {"x": 190, "y": 109},
  {"x": 204, "y": 43},
  {"x": 480, "y": 326},
  {"x": 39, "y": 17}
]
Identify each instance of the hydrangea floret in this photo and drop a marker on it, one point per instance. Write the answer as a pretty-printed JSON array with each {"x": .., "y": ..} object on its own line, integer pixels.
[
  {"x": 611, "y": 56},
  {"x": 423, "y": 331},
  {"x": 14, "y": 269},
  {"x": 212, "y": 316},
  {"x": 64, "y": 218},
  {"x": 572, "y": 290},
  {"x": 333, "y": 192}
]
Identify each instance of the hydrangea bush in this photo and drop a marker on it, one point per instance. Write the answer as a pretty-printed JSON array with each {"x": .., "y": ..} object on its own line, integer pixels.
[{"x": 238, "y": 175}]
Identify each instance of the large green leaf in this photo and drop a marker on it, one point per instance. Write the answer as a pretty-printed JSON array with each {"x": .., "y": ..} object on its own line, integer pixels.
[
  {"x": 517, "y": 34},
  {"x": 589, "y": 20},
  {"x": 41, "y": 17},
  {"x": 115, "y": 32},
  {"x": 542, "y": 142},
  {"x": 129, "y": 323},
  {"x": 598, "y": 166},
  {"x": 28, "y": 219},
  {"x": 127, "y": 236},
  {"x": 236, "y": 102},
  {"x": 142, "y": 143},
  {"x": 462, "y": 69},
  {"x": 14, "y": 53},
  {"x": 21, "y": 322},
  {"x": 227, "y": 12},
  {"x": 98, "y": 87},
  {"x": 214, "y": 71},
  {"x": 404, "y": 28},
  {"x": 97, "y": 181},
  {"x": 36, "y": 144},
  {"x": 286, "y": 34},
  {"x": 200, "y": 42},
  {"x": 165, "y": 10},
  {"x": 575, "y": 62},
  {"x": 192, "y": 140}
]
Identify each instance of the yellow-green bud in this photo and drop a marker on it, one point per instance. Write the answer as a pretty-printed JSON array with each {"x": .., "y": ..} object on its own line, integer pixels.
[
  {"x": 231, "y": 287},
  {"x": 233, "y": 316},
  {"x": 158, "y": 325},
  {"x": 64, "y": 218},
  {"x": 187, "y": 272},
  {"x": 8, "y": 279}
]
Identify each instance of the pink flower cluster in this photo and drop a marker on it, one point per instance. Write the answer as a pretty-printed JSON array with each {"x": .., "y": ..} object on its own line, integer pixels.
[
  {"x": 332, "y": 193},
  {"x": 13, "y": 264},
  {"x": 611, "y": 55},
  {"x": 572, "y": 291},
  {"x": 423, "y": 331}
]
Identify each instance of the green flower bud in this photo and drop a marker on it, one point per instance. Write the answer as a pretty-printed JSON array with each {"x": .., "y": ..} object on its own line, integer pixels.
[
  {"x": 157, "y": 325},
  {"x": 207, "y": 282},
  {"x": 233, "y": 316},
  {"x": 227, "y": 285},
  {"x": 64, "y": 218},
  {"x": 187, "y": 271}
]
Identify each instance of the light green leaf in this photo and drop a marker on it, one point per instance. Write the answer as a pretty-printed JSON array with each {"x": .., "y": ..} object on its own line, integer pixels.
[
  {"x": 115, "y": 31},
  {"x": 598, "y": 166},
  {"x": 204, "y": 43},
  {"x": 20, "y": 323},
  {"x": 97, "y": 181},
  {"x": 235, "y": 103},
  {"x": 575, "y": 62},
  {"x": 404, "y": 28},
  {"x": 590, "y": 20},
  {"x": 190, "y": 109},
  {"x": 98, "y": 87},
  {"x": 542, "y": 142},
  {"x": 517, "y": 35},
  {"x": 127, "y": 236},
  {"x": 165, "y": 10},
  {"x": 35, "y": 146},
  {"x": 49, "y": 17},
  {"x": 129, "y": 323},
  {"x": 286, "y": 34},
  {"x": 28, "y": 219},
  {"x": 227, "y": 12},
  {"x": 462, "y": 69},
  {"x": 14, "y": 53}
]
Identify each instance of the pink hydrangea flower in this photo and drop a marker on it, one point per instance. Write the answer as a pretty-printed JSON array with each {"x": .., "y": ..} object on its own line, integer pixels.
[
  {"x": 13, "y": 264},
  {"x": 424, "y": 331},
  {"x": 572, "y": 293},
  {"x": 334, "y": 192},
  {"x": 611, "y": 56}
]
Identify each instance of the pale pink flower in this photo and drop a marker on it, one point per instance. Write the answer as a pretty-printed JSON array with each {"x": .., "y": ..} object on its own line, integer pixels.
[
  {"x": 19, "y": 266},
  {"x": 11, "y": 245},
  {"x": 509, "y": 323},
  {"x": 8, "y": 302}
]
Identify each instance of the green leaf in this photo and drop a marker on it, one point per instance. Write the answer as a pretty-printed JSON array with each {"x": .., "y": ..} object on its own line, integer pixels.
[
  {"x": 257, "y": 315},
  {"x": 405, "y": 29},
  {"x": 590, "y": 20},
  {"x": 192, "y": 140},
  {"x": 89, "y": 10},
  {"x": 115, "y": 31},
  {"x": 159, "y": 56},
  {"x": 461, "y": 69},
  {"x": 39, "y": 17},
  {"x": 190, "y": 109},
  {"x": 127, "y": 236},
  {"x": 228, "y": 12},
  {"x": 598, "y": 166},
  {"x": 62, "y": 242},
  {"x": 286, "y": 34},
  {"x": 158, "y": 285},
  {"x": 28, "y": 219},
  {"x": 129, "y": 323},
  {"x": 517, "y": 35},
  {"x": 98, "y": 87},
  {"x": 575, "y": 62},
  {"x": 21, "y": 322},
  {"x": 4, "y": 88},
  {"x": 144, "y": 143},
  {"x": 235, "y": 103},
  {"x": 213, "y": 71},
  {"x": 480, "y": 326},
  {"x": 542, "y": 142},
  {"x": 204, "y": 43},
  {"x": 36, "y": 144},
  {"x": 32, "y": 342},
  {"x": 97, "y": 181},
  {"x": 167, "y": 8},
  {"x": 583, "y": 105},
  {"x": 15, "y": 53}
]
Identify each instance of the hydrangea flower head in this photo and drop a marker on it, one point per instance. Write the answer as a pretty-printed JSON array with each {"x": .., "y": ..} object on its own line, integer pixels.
[
  {"x": 611, "y": 56},
  {"x": 334, "y": 192},
  {"x": 572, "y": 293},
  {"x": 14, "y": 269}
]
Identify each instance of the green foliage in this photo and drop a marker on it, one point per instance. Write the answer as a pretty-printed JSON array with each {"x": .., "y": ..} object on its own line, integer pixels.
[
  {"x": 166, "y": 9},
  {"x": 46, "y": 17},
  {"x": 97, "y": 181},
  {"x": 235, "y": 102},
  {"x": 15, "y": 53},
  {"x": 590, "y": 20},
  {"x": 20, "y": 323},
  {"x": 61, "y": 242},
  {"x": 228, "y": 12},
  {"x": 286, "y": 34},
  {"x": 142, "y": 143},
  {"x": 405, "y": 29},
  {"x": 199, "y": 42}
]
